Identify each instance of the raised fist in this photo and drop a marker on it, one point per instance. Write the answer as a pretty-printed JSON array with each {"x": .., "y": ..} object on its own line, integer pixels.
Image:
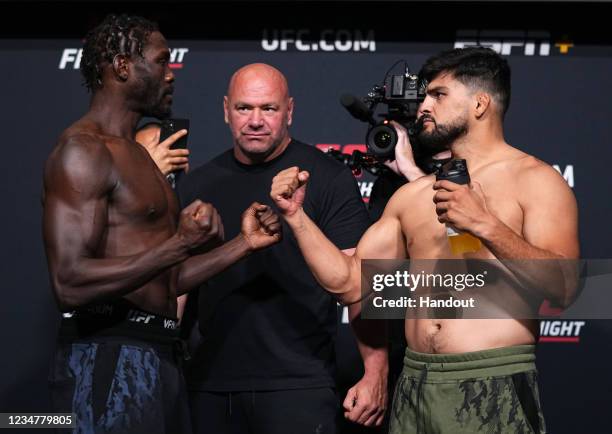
[
  {"x": 200, "y": 224},
  {"x": 260, "y": 226},
  {"x": 289, "y": 189}
]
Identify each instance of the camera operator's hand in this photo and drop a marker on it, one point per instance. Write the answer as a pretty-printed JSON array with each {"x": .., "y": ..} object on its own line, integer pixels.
[{"x": 404, "y": 164}]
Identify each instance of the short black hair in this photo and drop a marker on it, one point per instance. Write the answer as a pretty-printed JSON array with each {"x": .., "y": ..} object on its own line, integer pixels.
[
  {"x": 117, "y": 34},
  {"x": 475, "y": 67}
]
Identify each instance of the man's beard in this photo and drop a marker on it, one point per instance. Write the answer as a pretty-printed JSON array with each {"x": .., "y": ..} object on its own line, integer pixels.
[
  {"x": 158, "y": 111},
  {"x": 153, "y": 101},
  {"x": 157, "y": 108},
  {"x": 441, "y": 137}
]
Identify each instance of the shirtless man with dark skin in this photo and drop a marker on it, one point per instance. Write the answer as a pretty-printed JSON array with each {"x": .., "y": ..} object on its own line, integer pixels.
[
  {"x": 114, "y": 234},
  {"x": 459, "y": 374}
]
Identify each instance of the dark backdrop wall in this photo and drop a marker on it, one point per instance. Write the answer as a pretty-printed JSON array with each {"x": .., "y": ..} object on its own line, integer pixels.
[{"x": 560, "y": 112}]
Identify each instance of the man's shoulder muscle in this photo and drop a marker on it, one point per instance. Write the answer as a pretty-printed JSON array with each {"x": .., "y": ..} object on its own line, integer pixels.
[
  {"x": 80, "y": 164},
  {"x": 413, "y": 193},
  {"x": 549, "y": 207},
  {"x": 537, "y": 177}
]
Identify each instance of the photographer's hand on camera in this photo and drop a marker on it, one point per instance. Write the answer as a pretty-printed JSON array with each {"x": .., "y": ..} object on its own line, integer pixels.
[
  {"x": 404, "y": 164},
  {"x": 199, "y": 224}
]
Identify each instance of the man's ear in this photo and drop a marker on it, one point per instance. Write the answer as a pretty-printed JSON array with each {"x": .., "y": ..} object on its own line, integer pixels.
[
  {"x": 483, "y": 103},
  {"x": 121, "y": 67},
  {"x": 290, "y": 111},
  {"x": 226, "y": 109}
]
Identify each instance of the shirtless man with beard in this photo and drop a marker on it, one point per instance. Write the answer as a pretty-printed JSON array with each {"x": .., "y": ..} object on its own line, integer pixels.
[{"x": 460, "y": 375}]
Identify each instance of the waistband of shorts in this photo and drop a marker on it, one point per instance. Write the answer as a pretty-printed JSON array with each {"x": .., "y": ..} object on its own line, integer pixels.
[
  {"x": 486, "y": 363},
  {"x": 120, "y": 318}
]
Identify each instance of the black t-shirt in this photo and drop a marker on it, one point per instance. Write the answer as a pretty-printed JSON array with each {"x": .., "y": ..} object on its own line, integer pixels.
[{"x": 265, "y": 322}]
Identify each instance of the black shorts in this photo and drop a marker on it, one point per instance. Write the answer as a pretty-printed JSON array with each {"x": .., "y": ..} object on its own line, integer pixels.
[
  {"x": 120, "y": 379},
  {"x": 299, "y": 411}
]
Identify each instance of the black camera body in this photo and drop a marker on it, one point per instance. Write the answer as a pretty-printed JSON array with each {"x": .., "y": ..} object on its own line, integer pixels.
[{"x": 401, "y": 94}]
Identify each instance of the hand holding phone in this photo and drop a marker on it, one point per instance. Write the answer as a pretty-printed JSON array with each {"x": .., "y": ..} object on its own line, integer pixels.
[{"x": 171, "y": 126}]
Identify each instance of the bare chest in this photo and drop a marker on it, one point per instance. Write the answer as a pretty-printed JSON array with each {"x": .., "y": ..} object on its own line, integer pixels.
[
  {"x": 142, "y": 195},
  {"x": 426, "y": 236}
]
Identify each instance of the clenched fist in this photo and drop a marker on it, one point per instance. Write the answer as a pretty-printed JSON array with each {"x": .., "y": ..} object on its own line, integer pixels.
[
  {"x": 200, "y": 224},
  {"x": 289, "y": 189},
  {"x": 260, "y": 226}
]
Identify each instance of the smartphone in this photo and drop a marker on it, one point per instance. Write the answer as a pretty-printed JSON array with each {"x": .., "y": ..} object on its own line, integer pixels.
[{"x": 171, "y": 126}]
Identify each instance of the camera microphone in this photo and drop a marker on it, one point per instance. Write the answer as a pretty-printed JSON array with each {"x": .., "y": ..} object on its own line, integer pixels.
[{"x": 357, "y": 108}]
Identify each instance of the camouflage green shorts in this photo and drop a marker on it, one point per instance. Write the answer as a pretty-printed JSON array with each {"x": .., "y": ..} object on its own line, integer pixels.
[{"x": 491, "y": 391}]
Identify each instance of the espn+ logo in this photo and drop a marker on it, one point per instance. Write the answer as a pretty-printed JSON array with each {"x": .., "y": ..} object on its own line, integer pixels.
[
  {"x": 71, "y": 58},
  {"x": 513, "y": 42}
]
